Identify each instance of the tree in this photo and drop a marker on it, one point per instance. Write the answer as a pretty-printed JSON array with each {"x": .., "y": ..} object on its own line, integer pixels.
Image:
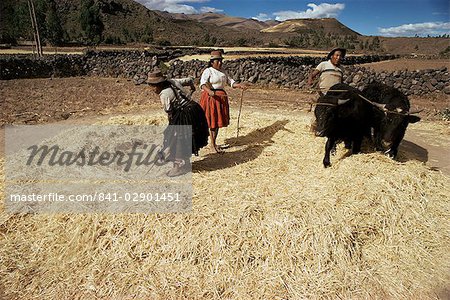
[
  {"x": 147, "y": 34},
  {"x": 15, "y": 21},
  {"x": 366, "y": 44},
  {"x": 375, "y": 44},
  {"x": 55, "y": 32},
  {"x": 361, "y": 45},
  {"x": 241, "y": 42},
  {"x": 90, "y": 20}
]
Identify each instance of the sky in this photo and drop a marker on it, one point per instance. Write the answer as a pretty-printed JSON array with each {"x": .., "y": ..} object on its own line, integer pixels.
[{"x": 368, "y": 17}]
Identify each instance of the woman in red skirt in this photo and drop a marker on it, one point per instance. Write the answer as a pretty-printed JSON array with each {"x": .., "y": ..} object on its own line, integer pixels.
[{"x": 214, "y": 99}]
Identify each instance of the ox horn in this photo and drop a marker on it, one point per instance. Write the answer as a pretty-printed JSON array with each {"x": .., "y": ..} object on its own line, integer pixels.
[
  {"x": 342, "y": 101},
  {"x": 380, "y": 106},
  {"x": 415, "y": 112}
]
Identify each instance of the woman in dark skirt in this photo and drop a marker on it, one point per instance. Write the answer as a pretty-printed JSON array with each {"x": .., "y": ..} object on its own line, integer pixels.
[{"x": 181, "y": 110}]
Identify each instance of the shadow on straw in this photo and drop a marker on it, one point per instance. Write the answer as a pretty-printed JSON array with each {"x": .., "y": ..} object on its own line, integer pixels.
[
  {"x": 411, "y": 151},
  {"x": 407, "y": 151},
  {"x": 256, "y": 141}
]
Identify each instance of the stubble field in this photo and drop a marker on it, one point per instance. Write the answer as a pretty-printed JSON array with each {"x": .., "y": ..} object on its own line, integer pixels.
[{"x": 268, "y": 221}]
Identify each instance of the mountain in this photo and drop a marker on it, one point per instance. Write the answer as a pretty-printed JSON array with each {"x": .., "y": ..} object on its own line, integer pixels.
[
  {"x": 272, "y": 22},
  {"x": 63, "y": 22},
  {"x": 325, "y": 25},
  {"x": 287, "y": 28},
  {"x": 220, "y": 20},
  {"x": 121, "y": 21},
  {"x": 129, "y": 21}
]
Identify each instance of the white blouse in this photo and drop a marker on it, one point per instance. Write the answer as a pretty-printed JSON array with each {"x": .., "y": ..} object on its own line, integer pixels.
[
  {"x": 167, "y": 96},
  {"x": 217, "y": 78}
]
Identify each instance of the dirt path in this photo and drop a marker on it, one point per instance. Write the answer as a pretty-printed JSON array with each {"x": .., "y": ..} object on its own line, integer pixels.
[{"x": 425, "y": 147}]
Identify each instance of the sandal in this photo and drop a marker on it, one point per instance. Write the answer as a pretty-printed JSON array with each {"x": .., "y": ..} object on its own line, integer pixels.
[
  {"x": 219, "y": 150},
  {"x": 179, "y": 168},
  {"x": 176, "y": 171}
]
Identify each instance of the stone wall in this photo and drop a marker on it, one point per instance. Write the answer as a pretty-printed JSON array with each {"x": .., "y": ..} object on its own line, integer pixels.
[
  {"x": 100, "y": 63},
  {"x": 292, "y": 72},
  {"x": 289, "y": 72},
  {"x": 409, "y": 82},
  {"x": 26, "y": 66}
]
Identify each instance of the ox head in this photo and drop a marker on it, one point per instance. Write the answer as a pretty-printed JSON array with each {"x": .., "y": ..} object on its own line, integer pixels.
[
  {"x": 392, "y": 123},
  {"x": 326, "y": 113},
  {"x": 391, "y": 115}
]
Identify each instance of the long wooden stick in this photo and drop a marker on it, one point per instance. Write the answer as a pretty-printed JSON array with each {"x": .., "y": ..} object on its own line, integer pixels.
[
  {"x": 239, "y": 114},
  {"x": 34, "y": 28}
]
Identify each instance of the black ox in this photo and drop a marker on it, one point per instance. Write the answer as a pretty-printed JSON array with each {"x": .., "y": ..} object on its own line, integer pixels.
[
  {"x": 391, "y": 116},
  {"x": 342, "y": 115}
]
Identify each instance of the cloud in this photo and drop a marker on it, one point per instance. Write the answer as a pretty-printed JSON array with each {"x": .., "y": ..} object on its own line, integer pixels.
[
  {"x": 421, "y": 29},
  {"x": 262, "y": 17},
  {"x": 439, "y": 13},
  {"x": 175, "y": 6},
  {"x": 323, "y": 10},
  {"x": 206, "y": 9}
]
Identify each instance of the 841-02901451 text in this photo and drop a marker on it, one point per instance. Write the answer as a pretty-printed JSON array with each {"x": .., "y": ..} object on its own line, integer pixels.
[{"x": 97, "y": 196}]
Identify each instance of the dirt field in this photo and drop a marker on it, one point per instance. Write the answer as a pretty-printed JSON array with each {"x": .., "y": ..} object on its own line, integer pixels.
[
  {"x": 31, "y": 101},
  {"x": 269, "y": 222},
  {"x": 36, "y": 101},
  {"x": 408, "y": 64}
]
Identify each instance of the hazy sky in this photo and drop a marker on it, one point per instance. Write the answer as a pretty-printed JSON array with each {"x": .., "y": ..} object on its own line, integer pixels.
[{"x": 368, "y": 17}]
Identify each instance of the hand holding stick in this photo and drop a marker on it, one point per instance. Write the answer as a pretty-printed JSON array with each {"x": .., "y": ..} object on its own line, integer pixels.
[{"x": 239, "y": 113}]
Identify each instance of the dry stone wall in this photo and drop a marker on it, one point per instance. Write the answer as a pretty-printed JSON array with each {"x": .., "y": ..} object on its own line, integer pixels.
[
  {"x": 292, "y": 72},
  {"x": 97, "y": 63},
  {"x": 289, "y": 72}
]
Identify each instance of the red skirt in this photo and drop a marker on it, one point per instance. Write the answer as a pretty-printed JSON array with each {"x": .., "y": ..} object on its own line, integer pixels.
[{"x": 217, "y": 109}]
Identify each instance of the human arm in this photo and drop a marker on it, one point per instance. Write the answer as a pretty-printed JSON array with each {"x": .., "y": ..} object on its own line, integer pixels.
[
  {"x": 312, "y": 76},
  {"x": 166, "y": 97},
  {"x": 234, "y": 84},
  {"x": 208, "y": 88},
  {"x": 205, "y": 83},
  {"x": 239, "y": 86},
  {"x": 315, "y": 72},
  {"x": 188, "y": 81}
]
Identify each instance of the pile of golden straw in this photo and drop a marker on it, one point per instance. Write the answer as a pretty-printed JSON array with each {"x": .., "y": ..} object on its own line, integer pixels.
[{"x": 268, "y": 222}]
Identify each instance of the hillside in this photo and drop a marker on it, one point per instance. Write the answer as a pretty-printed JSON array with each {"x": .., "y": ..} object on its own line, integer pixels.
[
  {"x": 126, "y": 21},
  {"x": 415, "y": 45},
  {"x": 130, "y": 21},
  {"x": 121, "y": 22},
  {"x": 220, "y": 20},
  {"x": 324, "y": 25}
]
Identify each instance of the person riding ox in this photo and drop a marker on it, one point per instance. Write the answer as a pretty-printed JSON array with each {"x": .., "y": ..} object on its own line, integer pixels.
[{"x": 330, "y": 71}]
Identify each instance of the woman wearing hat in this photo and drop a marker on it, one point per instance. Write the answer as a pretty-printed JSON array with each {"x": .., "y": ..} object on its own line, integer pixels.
[
  {"x": 214, "y": 99},
  {"x": 330, "y": 71},
  {"x": 181, "y": 110}
]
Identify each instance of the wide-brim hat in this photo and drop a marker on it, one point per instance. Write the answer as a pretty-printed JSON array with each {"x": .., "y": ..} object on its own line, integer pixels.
[
  {"x": 216, "y": 54},
  {"x": 155, "y": 77},
  {"x": 343, "y": 51}
]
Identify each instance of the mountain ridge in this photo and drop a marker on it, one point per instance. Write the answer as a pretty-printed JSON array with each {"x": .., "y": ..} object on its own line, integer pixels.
[{"x": 129, "y": 22}]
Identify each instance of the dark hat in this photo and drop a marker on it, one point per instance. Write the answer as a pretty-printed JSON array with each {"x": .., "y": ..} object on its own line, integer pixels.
[
  {"x": 155, "y": 77},
  {"x": 343, "y": 51},
  {"x": 216, "y": 54}
]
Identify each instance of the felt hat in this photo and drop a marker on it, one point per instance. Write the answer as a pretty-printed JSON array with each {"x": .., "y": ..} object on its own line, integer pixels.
[
  {"x": 155, "y": 77},
  {"x": 343, "y": 51},
  {"x": 216, "y": 54}
]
